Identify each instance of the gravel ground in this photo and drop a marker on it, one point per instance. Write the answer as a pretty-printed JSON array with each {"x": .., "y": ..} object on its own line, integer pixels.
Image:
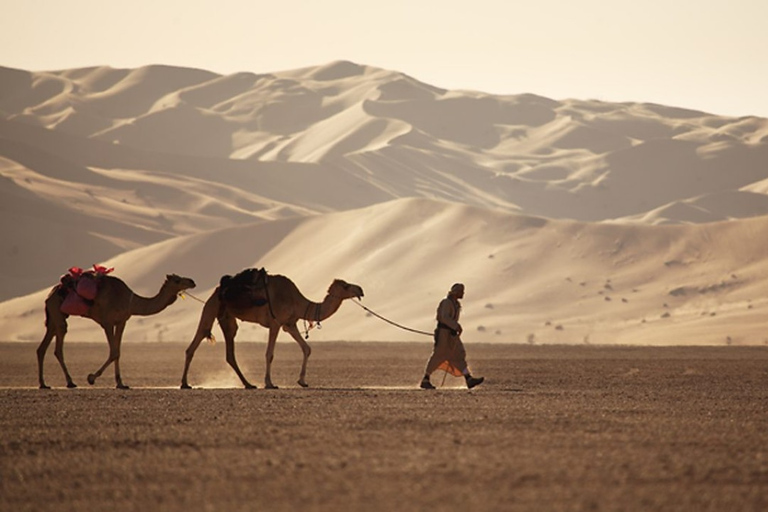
[{"x": 553, "y": 428}]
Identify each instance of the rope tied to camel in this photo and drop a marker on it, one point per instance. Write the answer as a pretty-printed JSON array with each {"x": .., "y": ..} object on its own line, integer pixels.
[
  {"x": 399, "y": 326},
  {"x": 183, "y": 295},
  {"x": 308, "y": 326}
]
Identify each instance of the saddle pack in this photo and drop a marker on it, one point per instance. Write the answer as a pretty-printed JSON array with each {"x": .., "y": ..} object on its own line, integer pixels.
[
  {"x": 245, "y": 289},
  {"x": 79, "y": 288}
]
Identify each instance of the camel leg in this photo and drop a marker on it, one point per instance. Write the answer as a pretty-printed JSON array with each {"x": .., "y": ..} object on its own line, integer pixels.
[
  {"x": 228, "y": 325},
  {"x": 41, "y": 350},
  {"x": 305, "y": 348},
  {"x": 210, "y": 311},
  {"x": 199, "y": 336},
  {"x": 55, "y": 326},
  {"x": 109, "y": 330},
  {"x": 273, "y": 332},
  {"x": 59, "y": 353},
  {"x": 119, "y": 329}
]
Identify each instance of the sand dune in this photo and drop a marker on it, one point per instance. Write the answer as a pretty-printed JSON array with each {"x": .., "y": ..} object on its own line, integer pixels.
[
  {"x": 570, "y": 221},
  {"x": 529, "y": 279}
]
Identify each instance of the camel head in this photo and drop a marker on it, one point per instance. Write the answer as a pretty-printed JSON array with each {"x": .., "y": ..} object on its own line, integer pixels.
[
  {"x": 178, "y": 283},
  {"x": 344, "y": 290}
]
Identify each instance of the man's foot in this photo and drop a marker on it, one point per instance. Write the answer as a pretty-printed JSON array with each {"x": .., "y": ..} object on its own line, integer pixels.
[
  {"x": 472, "y": 381},
  {"x": 425, "y": 384}
]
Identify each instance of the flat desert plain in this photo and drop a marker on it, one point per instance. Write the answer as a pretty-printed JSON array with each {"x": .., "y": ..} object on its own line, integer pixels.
[{"x": 553, "y": 428}]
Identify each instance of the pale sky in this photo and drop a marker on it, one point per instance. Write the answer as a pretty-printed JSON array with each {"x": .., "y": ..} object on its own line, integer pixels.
[{"x": 701, "y": 54}]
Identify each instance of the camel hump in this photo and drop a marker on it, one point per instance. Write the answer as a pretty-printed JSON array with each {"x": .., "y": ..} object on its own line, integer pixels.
[
  {"x": 250, "y": 277},
  {"x": 85, "y": 282},
  {"x": 245, "y": 289}
]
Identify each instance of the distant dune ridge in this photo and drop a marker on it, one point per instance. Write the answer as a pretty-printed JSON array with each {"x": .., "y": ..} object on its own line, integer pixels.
[{"x": 569, "y": 221}]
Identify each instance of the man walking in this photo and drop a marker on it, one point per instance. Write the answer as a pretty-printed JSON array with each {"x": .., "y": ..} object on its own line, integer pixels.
[{"x": 449, "y": 354}]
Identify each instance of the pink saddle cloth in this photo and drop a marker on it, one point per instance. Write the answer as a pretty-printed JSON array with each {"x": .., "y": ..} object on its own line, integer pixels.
[
  {"x": 74, "y": 304},
  {"x": 83, "y": 286},
  {"x": 87, "y": 287}
]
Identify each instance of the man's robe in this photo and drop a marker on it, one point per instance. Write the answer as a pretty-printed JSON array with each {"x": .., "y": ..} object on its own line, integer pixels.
[{"x": 449, "y": 354}]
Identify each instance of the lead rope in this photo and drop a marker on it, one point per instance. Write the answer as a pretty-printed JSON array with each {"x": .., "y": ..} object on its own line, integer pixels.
[
  {"x": 391, "y": 322},
  {"x": 185, "y": 293},
  {"x": 445, "y": 372}
]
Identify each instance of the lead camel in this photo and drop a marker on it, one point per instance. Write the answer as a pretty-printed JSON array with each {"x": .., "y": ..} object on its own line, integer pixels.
[{"x": 272, "y": 301}]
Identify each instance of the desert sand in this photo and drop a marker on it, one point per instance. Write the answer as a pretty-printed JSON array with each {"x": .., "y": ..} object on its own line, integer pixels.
[{"x": 554, "y": 428}]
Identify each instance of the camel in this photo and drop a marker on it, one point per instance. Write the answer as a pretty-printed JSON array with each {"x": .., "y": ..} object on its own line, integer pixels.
[
  {"x": 272, "y": 301},
  {"x": 113, "y": 305}
]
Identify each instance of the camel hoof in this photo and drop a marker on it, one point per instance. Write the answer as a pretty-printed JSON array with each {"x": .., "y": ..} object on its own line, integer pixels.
[
  {"x": 271, "y": 386},
  {"x": 71, "y": 385},
  {"x": 250, "y": 386},
  {"x": 91, "y": 379},
  {"x": 186, "y": 386},
  {"x": 303, "y": 384},
  {"x": 44, "y": 386},
  {"x": 122, "y": 386}
]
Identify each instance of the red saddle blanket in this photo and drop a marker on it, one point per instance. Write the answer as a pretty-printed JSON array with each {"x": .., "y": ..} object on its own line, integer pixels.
[
  {"x": 74, "y": 304},
  {"x": 87, "y": 287},
  {"x": 81, "y": 288}
]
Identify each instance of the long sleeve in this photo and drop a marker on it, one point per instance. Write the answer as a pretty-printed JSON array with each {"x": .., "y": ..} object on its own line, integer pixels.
[{"x": 447, "y": 314}]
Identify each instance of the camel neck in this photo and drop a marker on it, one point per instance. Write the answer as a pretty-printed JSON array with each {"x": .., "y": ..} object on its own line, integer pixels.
[
  {"x": 319, "y": 311},
  {"x": 146, "y": 306}
]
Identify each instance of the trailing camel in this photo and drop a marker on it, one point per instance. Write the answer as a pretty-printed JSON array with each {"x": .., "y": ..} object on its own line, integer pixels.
[
  {"x": 272, "y": 301},
  {"x": 114, "y": 303}
]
